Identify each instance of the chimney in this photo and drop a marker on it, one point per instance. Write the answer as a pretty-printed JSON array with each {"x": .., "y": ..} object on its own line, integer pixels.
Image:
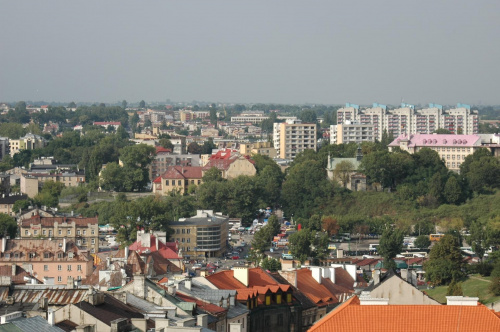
[
  {"x": 376, "y": 277},
  {"x": 316, "y": 273},
  {"x": 241, "y": 274},
  {"x": 202, "y": 320},
  {"x": 232, "y": 298},
  {"x": 462, "y": 300},
  {"x": 50, "y": 317},
  {"x": 126, "y": 253},
  {"x": 171, "y": 312},
  {"x": 70, "y": 284},
  {"x": 14, "y": 269},
  {"x": 235, "y": 327},
  {"x": 156, "y": 238},
  {"x": 290, "y": 276},
  {"x": 140, "y": 323},
  {"x": 171, "y": 290},
  {"x": 187, "y": 283},
  {"x": 118, "y": 325},
  {"x": 340, "y": 253},
  {"x": 4, "y": 243},
  {"x": 332, "y": 274},
  {"x": 140, "y": 286},
  {"x": 404, "y": 274},
  {"x": 64, "y": 245},
  {"x": 161, "y": 324}
]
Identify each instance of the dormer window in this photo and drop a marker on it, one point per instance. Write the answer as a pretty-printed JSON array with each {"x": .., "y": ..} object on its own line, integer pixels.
[
  {"x": 60, "y": 255},
  {"x": 46, "y": 255},
  {"x": 70, "y": 254},
  {"x": 32, "y": 255}
]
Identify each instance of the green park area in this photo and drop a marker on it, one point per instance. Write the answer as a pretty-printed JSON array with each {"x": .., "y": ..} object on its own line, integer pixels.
[{"x": 474, "y": 286}]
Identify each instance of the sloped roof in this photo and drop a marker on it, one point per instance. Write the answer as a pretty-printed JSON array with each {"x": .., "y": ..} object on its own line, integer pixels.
[
  {"x": 110, "y": 310},
  {"x": 182, "y": 172},
  {"x": 431, "y": 140},
  {"x": 318, "y": 293},
  {"x": 160, "y": 264},
  {"x": 205, "y": 306},
  {"x": 18, "y": 278},
  {"x": 352, "y": 316},
  {"x": 49, "y": 221}
]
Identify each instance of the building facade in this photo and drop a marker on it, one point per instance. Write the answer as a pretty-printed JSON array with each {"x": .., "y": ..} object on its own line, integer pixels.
[
  {"x": 351, "y": 132},
  {"x": 205, "y": 234},
  {"x": 453, "y": 149},
  {"x": 178, "y": 179},
  {"x": 28, "y": 142},
  {"x": 408, "y": 120},
  {"x": 292, "y": 137},
  {"x": 52, "y": 261},
  {"x": 84, "y": 232}
]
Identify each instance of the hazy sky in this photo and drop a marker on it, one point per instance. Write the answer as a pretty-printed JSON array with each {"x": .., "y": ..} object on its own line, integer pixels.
[{"x": 251, "y": 51}]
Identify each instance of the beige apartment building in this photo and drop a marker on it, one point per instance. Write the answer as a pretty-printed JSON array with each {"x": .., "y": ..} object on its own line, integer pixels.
[
  {"x": 84, "y": 232},
  {"x": 204, "y": 234},
  {"x": 453, "y": 149},
  {"x": 292, "y": 137},
  {"x": 28, "y": 142},
  {"x": 351, "y": 132},
  {"x": 262, "y": 148},
  {"x": 54, "y": 261}
]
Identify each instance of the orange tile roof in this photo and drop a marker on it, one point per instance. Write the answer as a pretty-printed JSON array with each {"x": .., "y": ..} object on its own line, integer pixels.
[
  {"x": 225, "y": 280},
  {"x": 182, "y": 172},
  {"x": 351, "y": 316},
  {"x": 318, "y": 293}
]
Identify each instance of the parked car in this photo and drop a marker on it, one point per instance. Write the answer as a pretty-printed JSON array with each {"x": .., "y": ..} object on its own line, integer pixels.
[
  {"x": 197, "y": 266},
  {"x": 236, "y": 257}
]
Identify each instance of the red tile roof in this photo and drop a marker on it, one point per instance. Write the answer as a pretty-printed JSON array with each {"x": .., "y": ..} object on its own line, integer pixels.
[
  {"x": 182, "y": 172},
  {"x": 205, "y": 306},
  {"x": 161, "y": 149},
  {"x": 166, "y": 250},
  {"x": 352, "y": 316},
  {"x": 318, "y": 293}
]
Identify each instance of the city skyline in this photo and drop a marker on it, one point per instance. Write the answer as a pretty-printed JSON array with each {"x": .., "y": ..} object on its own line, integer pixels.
[{"x": 280, "y": 52}]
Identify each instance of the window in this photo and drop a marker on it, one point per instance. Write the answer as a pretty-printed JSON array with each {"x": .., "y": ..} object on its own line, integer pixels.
[
  {"x": 92, "y": 232},
  {"x": 188, "y": 231},
  {"x": 188, "y": 240},
  {"x": 177, "y": 231},
  {"x": 183, "y": 231},
  {"x": 280, "y": 320},
  {"x": 7, "y": 255},
  {"x": 32, "y": 255},
  {"x": 179, "y": 182},
  {"x": 45, "y": 267},
  {"x": 35, "y": 232},
  {"x": 60, "y": 255},
  {"x": 183, "y": 240},
  {"x": 26, "y": 232},
  {"x": 69, "y": 267},
  {"x": 59, "y": 267},
  {"x": 60, "y": 232},
  {"x": 78, "y": 267},
  {"x": 46, "y": 255},
  {"x": 44, "y": 232},
  {"x": 50, "y": 232},
  {"x": 92, "y": 241},
  {"x": 59, "y": 278},
  {"x": 92, "y": 250},
  {"x": 84, "y": 232},
  {"x": 78, "y": 232},
  {"x": 69, "y": 231}
]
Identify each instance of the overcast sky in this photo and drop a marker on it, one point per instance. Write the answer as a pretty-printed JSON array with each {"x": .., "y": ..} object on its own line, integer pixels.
[{"x": 251, "y": 51}]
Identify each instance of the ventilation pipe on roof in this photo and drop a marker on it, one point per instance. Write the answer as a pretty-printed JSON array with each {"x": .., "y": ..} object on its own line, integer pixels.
[
  {"x": 187, "y": 283},
  {"x": 64, "y": 245}
]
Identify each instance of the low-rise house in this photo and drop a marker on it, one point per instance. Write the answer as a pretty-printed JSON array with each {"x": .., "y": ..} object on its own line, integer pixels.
[
  {"x": 337, "y": 170},
  {"x": 177, "y": 179},
  {"x": 231, "y": 164},
  {"x": 7, "y": 203},
  {"x": 53, "y": 261},
  {"x": 157, "y": 242}
]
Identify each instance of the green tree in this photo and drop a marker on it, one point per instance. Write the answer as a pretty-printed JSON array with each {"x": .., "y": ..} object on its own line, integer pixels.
[
  {"x": 213, "y": 115},
  {"x": 445, "y": 261},
  {"x": 478, "y": 238},
  {"x": 8, "y": 225},
  {"x": 495, "y": 279},
  {"x": 330, "y": 225},
  {"x": 142, "y": 104},
  {"x": 72, "y": 105},
  {"x": 422, "y": 241},
  {"x": 300, "y": 244},
  {"x": 213, "y": 174},
  {"x": 194, "y": 148},
  {"x": 455, "y": 289},
  {"x": 391, "y": 244},
  {"x": 124, "y": 104},
  {"x": 452, "y": 191},
  {"x": 166, "y": 143},
  {"x": 49, "y": 195},
  {"x": 274, "y": 225},
  {"x": 271, "y": 264},
  {"x": 21, "y": 204},
  {"x": 308, "y": 115},
  {"x": 12, "y": 130},
  {"x": 343, "y": 171}
]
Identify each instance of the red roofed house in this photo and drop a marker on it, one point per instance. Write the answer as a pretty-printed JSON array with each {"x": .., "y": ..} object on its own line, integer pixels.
[
  {"x": 461, "y": 314},
  {"x": 272, "y": 304},
  {"x": 231, "y": 164},
  {"x": 177, "y": 179},
  {"x": 156, "y": 242}
]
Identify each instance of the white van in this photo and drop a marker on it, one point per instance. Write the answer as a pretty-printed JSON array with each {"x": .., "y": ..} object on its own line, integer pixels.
[{"x": 373, "y": 246}]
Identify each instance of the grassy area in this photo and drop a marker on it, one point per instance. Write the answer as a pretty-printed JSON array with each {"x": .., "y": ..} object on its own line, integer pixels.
[{"x": 475, "y": 285}]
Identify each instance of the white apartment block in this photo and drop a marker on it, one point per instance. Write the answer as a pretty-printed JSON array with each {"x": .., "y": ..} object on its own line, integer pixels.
[
  {"x": 351, "y": 132},
  {"x": 407, "y": 120},
  {"x": 292, "y": 137}
]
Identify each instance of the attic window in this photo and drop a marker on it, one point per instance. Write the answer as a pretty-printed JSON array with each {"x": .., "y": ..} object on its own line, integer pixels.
[
  {"x": 46, "y": 255},
  {"x": 32, "y": 255},
  {"x": 70, "y": 254},
  {"x": 7, "y": 255},
  {"x": 60, "y": 255}
]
